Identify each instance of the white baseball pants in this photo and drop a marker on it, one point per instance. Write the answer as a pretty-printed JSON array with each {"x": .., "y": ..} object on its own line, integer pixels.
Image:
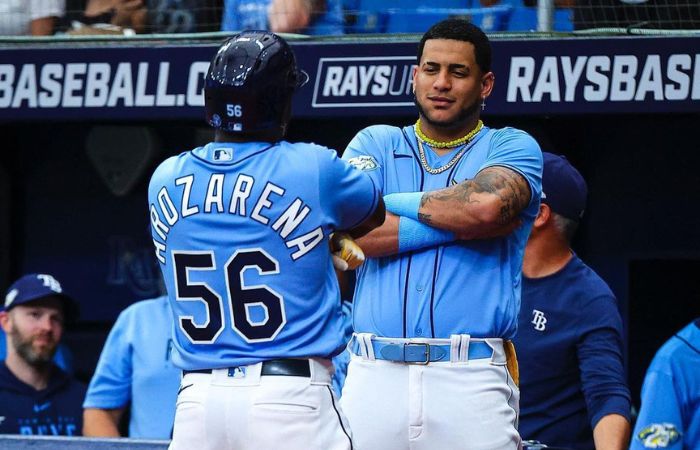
[
  {"x": 242, "y": 410},
  {"x": 450, "y": 405}
]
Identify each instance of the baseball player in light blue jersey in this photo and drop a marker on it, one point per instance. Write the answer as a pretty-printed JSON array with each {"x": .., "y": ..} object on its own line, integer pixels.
[
  {"x": 438, "y": 297},
  {"x": 670, "y": 413},
  {"x": 135, "y": 369},
  {"x": 241, "y": 228}
]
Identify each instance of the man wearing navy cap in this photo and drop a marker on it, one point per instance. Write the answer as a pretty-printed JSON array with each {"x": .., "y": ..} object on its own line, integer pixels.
[
  {"x": 572, "y": 382},
  {"x": 37, "y": 397}
]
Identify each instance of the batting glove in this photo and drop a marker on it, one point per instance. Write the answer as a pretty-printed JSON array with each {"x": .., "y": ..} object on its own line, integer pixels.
[{"x": 347, "y": 255}]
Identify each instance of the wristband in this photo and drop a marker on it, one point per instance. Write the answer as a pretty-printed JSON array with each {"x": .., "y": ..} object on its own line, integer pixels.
[
  {"x": 404, "y": 204},
  {"x": 414, "y": 235}
]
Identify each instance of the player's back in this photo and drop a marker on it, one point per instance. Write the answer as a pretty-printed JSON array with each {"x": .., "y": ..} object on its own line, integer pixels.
[{"x": 241, "y": 232}]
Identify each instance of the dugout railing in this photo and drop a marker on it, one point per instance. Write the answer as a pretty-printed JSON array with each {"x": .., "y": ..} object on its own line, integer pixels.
[{"x": 18, "y": 442}]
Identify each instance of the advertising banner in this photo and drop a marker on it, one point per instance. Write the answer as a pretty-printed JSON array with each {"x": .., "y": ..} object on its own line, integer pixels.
[{"x": 533, "y": 77}]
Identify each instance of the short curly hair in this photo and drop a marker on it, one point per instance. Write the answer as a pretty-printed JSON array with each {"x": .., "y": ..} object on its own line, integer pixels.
[{"x": 461, "y": 30}]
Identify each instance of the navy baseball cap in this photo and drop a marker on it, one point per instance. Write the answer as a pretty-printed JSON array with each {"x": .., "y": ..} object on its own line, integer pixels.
[
  {"x": 36, "y": 286},
  {"x": 563, "y": 187}
]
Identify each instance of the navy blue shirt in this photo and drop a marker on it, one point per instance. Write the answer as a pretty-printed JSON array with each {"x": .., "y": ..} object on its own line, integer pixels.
[
  {"x": 569, "y": 346},
  {"x": 54, "y": 411}
]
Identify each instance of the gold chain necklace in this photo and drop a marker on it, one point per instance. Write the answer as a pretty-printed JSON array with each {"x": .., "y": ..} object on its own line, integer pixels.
[
  {"x": 449, "y": 144},
  {"x": 426, "y": 166},
  {"x": 435, "y": 144}
]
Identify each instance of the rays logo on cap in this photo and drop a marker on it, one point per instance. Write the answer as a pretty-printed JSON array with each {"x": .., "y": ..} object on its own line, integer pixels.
[
  {"x": 364, "y": 162},
  {"x": 659, "y": 435},
  {"x": 51, "y": 283}
]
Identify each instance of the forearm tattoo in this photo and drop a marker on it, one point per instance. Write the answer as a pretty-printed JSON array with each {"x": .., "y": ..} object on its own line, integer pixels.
[{"x": 510, "y": 187}]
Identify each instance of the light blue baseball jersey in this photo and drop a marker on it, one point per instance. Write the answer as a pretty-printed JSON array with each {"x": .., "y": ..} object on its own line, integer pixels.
[
  {"x": 241, "y": 232},
  {"x": 135, "y": 366},
  {"x": 462, "y": 287},
  {"x": 670, "y": 413}
]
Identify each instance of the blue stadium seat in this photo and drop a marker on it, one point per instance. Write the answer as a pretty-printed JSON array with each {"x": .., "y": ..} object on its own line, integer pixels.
[
  {"x": 419, "y": 20},
  {"x": 383, "y": 5},
  {"x": 371, "y": 16},
  {"x": 524, "y": 18},
  {"x": 365, "y": 22},
  {"x": 563, "y": 19}
]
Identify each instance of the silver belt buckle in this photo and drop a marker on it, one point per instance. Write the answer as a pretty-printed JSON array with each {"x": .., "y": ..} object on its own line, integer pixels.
[{"x": 427, "y": 353}]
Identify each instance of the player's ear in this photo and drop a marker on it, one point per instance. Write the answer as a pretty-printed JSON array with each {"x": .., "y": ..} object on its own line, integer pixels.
[
  {"x": 543, "y": 215},
  {"x": 487, "y": 81},
  {"x": 5, "y": 321}
]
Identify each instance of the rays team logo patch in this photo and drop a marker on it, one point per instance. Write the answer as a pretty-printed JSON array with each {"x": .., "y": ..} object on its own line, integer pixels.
[
  {"x": 364, "y": 162},
  {"x": 659, "y": 435}
]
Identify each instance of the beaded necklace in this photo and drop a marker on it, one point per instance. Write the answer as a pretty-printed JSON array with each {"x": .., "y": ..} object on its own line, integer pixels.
[
  {"x": 449, "y": 144},
  {"x": 435, "y": 144}
]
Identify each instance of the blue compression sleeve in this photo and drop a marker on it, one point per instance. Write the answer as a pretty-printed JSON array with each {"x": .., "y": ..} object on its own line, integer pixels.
[
  {"x": 404, "y": 204},
  {"x": 414, "y": 235}
]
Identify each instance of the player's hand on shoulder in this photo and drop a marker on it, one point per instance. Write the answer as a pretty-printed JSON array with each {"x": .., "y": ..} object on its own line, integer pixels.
[{"x": 347, "y": 255}]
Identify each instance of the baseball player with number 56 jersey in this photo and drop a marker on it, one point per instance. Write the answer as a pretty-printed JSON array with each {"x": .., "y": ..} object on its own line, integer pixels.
[
  {"x": 241, "y": 228},
  {"x": 437, "y": 299}
]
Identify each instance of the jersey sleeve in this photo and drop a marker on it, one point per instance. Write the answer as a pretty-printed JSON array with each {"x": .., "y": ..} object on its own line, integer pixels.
[
  {"x": 518, "y": 151},
  {"x": 110, "y": 386},
  {"x": 659, "y": 423},
  {"x": 348, "y": 195},
  {"x": 160, "y": 180},
  {"x": 600, "y": 353}
]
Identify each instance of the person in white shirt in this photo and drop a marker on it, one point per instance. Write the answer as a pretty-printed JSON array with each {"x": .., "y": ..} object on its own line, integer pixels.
[{"x": 30, "y": 17}]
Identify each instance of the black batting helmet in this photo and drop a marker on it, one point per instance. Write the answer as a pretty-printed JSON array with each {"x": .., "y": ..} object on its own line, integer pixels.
[{"x": 250, "y": 82}]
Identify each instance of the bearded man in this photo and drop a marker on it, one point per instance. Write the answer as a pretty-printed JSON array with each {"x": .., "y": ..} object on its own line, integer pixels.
[{"x": 36, "y": 396}]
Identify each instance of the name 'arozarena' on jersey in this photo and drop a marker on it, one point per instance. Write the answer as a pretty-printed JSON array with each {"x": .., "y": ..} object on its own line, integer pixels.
[{"x": 238, "y": 204}]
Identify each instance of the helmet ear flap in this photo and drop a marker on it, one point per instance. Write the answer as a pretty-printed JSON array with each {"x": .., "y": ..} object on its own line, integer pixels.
[{"x": 301, "y": 78}]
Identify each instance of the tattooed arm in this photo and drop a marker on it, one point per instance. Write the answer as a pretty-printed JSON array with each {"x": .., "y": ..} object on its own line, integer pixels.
[{"x": 485, "y": 206}]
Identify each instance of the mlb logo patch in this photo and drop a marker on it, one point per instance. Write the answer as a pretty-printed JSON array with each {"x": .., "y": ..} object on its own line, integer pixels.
[
  {"x": 223, "y": 154},
  {"x": 236, "y": 372}
]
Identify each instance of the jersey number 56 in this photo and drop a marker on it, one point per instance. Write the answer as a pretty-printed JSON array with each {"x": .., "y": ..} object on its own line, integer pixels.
[
  {"x": 240, "y": 297},
  {"x": 234, "y": 110}
]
